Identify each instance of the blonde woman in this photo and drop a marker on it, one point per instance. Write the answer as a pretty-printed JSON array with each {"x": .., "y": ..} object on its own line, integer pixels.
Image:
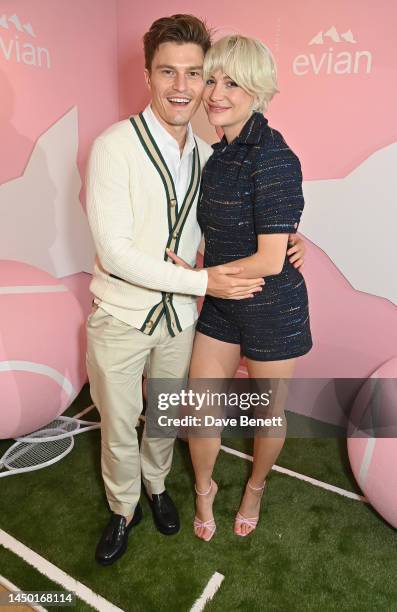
[{"x": 251, "y": 200}]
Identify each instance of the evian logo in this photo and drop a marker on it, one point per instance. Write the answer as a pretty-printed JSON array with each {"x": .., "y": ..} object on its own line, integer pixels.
[
  {"x": 345, "y": 60},
  {"x": 21, "y": 51}
]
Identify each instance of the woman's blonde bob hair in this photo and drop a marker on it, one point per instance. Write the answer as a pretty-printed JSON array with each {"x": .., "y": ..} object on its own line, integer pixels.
[{"x": 248, "y": 62}]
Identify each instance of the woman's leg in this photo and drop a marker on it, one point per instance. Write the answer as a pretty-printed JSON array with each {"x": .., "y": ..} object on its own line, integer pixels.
[
  {"x": 211, "y": 358},
  {"x": 266, "y": 447}
]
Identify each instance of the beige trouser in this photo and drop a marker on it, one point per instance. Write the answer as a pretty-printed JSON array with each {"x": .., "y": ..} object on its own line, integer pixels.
[{"x": 116, "y": 357}]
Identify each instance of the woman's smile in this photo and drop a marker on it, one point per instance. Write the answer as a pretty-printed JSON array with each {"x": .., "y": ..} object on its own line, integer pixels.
[{"x": 217, "y": 109}]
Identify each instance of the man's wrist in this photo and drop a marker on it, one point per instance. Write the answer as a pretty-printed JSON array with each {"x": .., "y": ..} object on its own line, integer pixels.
[
  {"x": 194, "y": 281},
  {"x": 204, "y": 272}
]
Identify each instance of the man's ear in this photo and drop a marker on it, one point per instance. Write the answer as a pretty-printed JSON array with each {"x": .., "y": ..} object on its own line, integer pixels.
[{"x": 147, "y": 78}]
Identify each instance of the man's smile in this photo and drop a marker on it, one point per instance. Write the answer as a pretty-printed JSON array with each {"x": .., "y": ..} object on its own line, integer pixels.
[{"x": 178, "y": 101}]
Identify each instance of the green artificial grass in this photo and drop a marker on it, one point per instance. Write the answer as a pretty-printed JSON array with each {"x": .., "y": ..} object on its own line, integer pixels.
[
  {"x": 26, "y": 578},
  {"x": 313, "y": 550},
  {"x": 325, "y": 459}
]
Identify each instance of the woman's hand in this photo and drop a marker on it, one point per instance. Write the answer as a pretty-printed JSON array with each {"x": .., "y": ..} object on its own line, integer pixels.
[
  {"x": 178, "y": 260},
  {"x": 296, "y": 251}
]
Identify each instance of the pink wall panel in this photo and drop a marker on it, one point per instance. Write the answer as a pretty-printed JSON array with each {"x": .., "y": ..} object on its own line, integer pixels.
[
  {"x": 58, "y": 90},
  {"x": 75, "y": 67}
]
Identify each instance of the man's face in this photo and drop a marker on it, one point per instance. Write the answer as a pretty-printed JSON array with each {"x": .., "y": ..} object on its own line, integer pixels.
[{"x": 176, "y": 82}]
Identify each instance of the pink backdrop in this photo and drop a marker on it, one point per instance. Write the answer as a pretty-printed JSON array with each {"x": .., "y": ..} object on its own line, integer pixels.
[{"x": 336, "y": 68}]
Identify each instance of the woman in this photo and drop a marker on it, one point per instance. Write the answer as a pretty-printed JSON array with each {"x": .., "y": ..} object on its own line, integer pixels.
[{"x": 251, "y": 200}]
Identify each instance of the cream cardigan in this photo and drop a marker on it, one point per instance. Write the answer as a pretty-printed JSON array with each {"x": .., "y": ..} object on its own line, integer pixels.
[{"x": 132, "y": 222}]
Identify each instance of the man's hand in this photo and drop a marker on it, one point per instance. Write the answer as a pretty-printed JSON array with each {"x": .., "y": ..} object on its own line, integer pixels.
[
  {"x": 223, "y": 283},
  {"x": 296, "y": 251},
  {"x": 178, "y": 260}
]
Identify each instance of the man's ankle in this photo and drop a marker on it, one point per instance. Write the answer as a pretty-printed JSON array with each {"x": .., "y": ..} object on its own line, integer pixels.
[{"x": 150, "y": 494}]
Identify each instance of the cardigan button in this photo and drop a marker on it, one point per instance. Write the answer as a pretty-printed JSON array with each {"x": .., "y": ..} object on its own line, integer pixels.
[
  {"x": 173, "y": 203},
  {"x": 175, "y": 235},
  {"x": 149, "y": 324}
]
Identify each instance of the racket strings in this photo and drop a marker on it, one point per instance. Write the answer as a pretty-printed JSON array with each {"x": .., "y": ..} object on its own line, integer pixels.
[
  {"x": 45, "y": 446},
  {"x": 61, "y": 427},
  {"x": 60, "y": 424},
  {"x": 29, "y": 454}
]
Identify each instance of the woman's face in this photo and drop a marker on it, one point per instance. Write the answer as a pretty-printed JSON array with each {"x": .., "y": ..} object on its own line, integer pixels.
[{"x": 227, "y": 105}]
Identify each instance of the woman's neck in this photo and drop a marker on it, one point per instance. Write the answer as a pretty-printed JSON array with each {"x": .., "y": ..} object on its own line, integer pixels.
[{"x": 232, "y": 131}]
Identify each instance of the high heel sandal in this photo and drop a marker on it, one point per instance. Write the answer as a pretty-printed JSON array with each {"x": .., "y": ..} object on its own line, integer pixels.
[
  {"x": 241, "y": 520},
  {"x": 198, "y": 523}
]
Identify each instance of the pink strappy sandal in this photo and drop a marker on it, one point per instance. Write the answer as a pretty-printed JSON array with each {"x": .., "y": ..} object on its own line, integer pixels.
[
  {"x": 242, "y": 520},
  {"x": 210, "y": 525}
]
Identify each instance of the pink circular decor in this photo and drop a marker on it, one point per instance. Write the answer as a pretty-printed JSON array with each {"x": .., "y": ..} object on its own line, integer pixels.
[
  {"x": 374, "y": 459},
  {"x": 42, "y": 347}
]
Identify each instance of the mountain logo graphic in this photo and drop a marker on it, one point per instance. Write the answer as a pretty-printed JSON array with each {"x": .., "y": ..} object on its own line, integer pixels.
[
  {"x": 12, "y": 49},
  {"x": 15, "y": 21},
  {"x": 333, "y": 35}
]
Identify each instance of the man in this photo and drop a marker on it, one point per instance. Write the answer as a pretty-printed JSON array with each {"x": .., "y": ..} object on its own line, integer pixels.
[{"x": 142, "y": 190}]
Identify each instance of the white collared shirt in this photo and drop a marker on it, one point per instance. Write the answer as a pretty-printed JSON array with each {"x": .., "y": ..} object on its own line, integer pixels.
[{"x": 179, "y": 165}]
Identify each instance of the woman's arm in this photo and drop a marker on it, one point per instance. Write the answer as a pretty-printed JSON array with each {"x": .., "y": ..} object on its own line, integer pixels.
[
  {"x": 296, "y": 252},
  {"x": 277, "y": 205},
  {"x": 268, "y": 259},
  {"x": 270, "y": 256}
]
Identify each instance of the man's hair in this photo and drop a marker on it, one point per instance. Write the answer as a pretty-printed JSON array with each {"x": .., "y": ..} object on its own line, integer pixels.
[{"x": 177, "y": 28}]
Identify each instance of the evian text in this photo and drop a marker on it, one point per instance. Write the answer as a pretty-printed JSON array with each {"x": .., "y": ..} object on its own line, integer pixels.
[
  {"x": 343, "y": 62},
  {"x": 26, "y": 53}
]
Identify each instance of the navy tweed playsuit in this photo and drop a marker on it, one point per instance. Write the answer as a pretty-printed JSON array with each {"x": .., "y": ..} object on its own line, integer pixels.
[{"x": 254, "y": 186}]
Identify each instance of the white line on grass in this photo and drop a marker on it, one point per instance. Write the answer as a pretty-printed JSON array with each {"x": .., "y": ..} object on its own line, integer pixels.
[
  {"x": 11, "y": 587},
  {"x": 313, "y": 481},
  {"x": 208, "y": 593},
  {"x": 57, "y": 575}
]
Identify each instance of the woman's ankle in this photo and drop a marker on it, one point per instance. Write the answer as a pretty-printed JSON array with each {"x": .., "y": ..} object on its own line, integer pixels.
[
  {"x": 204, "y": 487},
  {"x": 256, "y": 485}
]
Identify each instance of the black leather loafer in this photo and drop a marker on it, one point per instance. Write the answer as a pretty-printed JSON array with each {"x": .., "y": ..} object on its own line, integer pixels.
[
  {"x": 114, "y": 539},
  {"x": 165, "y": 514}
]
